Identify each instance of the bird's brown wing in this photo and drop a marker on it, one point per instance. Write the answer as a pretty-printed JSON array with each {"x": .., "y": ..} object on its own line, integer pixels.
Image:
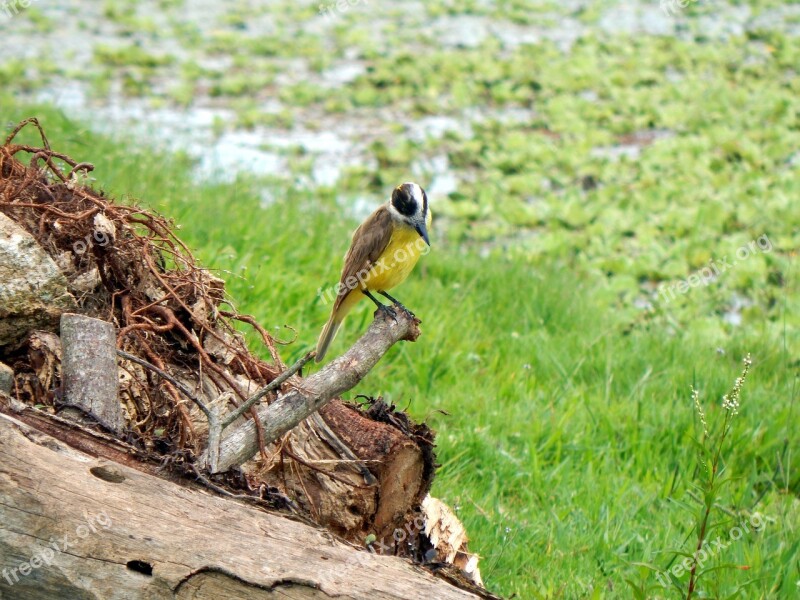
[{"x": 369, "y": 242}]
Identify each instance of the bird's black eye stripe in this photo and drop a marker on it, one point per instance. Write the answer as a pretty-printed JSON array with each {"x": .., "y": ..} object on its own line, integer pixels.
[
  {"x": 404, "y": 202},
  {"x": 424, "y": 202}
]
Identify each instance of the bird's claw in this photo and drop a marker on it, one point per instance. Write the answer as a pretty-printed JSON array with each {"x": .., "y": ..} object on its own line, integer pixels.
[
  {"x": 405, "y": 310},
  {"x": 388, "y": 310}
]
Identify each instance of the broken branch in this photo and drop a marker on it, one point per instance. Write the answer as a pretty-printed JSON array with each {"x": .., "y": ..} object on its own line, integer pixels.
[
  {"x": 273, "y": 385},
  {"x": 340, "y": 375}
]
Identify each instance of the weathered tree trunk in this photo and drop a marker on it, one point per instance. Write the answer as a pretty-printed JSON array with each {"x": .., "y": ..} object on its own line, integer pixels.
[
  {"x": 355, "y": 475},
  {"x": 78, "y": 527}
]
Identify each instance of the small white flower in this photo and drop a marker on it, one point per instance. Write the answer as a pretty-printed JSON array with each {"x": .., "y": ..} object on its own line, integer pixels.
[{"x": 696, "y": 398}]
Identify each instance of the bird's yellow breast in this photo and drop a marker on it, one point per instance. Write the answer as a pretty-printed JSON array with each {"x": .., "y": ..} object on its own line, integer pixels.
[{"x": 397, "y": 260}]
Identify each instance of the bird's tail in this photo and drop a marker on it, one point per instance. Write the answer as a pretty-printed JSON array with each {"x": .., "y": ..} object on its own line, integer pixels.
[
  {"x": 327, "y": 335},
  {"x": 332, "y": 326}
]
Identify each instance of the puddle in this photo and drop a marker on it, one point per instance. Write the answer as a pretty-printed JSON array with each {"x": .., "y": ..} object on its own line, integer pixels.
[
  {"x": 437, "y": 126},
  {"x": 436, "y": 176},
  {"x": 630, "y": 146},
  {"x": 343, "y": 73},
  {"x": 360, "y": 207},
  {"x": 235, "y": 153},
  {"x": 737, "y": 304},
  {"x": 632, "y": 18}
]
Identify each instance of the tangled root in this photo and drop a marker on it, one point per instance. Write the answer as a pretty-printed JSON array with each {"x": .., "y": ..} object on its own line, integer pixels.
[{"x": 125, "y": 265}]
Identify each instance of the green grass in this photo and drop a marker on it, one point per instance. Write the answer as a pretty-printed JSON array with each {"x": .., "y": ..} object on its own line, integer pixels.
[{"x": 567, "y": 447}]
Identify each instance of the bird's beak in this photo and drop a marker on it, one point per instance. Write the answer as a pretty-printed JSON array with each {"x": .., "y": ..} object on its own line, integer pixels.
[{"x": 422, "y": 229}]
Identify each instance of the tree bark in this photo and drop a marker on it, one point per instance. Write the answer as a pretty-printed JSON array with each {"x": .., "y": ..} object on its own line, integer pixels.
[{"x": 74, "y": 526}]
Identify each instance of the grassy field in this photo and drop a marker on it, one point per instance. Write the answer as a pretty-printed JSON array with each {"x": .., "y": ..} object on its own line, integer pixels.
[{"x": 633, "y": 234}]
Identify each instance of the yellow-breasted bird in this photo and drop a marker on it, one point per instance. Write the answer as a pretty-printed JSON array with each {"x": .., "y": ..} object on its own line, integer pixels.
[{"x": 383, "y": 252}]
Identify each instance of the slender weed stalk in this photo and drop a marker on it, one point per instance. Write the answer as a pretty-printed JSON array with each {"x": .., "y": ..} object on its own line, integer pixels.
[
  {"x": 710, "y": 454},
  {"x": 710, "y": 445}
]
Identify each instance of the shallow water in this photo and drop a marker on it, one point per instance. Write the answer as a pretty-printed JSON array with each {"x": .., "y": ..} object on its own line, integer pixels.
[{"x": 336, "y": 141}]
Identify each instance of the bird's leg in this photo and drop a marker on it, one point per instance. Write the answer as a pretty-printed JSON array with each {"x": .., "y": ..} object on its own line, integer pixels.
[
  {"x": 373, "y": 298},
  {"x": 381, "y": 307},
  {"x": 396, "y": 302}
]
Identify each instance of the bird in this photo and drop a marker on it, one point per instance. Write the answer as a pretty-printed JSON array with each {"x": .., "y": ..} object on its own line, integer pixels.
[{"x": 383, "y": 252}]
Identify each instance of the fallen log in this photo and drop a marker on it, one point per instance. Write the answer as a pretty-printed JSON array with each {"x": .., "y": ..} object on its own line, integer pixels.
[{"x": 114, "y": 532}]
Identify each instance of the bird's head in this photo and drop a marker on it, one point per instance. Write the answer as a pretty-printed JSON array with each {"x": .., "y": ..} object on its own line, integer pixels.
[{"x": 409, "y": 204}]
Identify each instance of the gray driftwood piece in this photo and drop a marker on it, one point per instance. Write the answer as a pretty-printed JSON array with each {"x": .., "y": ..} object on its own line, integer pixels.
[
  {"x": 89, "y": 369},
  {"x": 240, "y": 443},
  {"x": 74, "y": 526}
]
